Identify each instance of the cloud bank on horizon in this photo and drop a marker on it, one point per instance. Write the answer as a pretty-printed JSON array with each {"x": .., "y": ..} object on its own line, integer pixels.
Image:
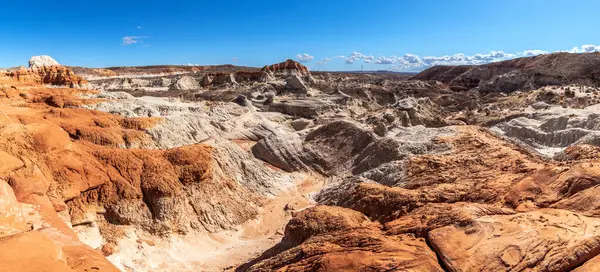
[{"x": 412, "y": 62}]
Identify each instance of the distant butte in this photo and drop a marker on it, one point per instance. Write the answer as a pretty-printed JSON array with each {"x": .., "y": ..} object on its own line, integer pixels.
[{"x": 287, "y": 65}]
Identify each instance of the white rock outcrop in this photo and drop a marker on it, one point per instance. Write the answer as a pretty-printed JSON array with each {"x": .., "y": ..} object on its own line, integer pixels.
[{"x": 41, "y": 61}]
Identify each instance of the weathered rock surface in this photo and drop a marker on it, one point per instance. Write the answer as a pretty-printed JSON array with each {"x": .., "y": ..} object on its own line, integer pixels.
[
  {"x": 185, "y": 83},
  {"x": 301, "y": 124},
  {"x": 42, "y": 61},
  {"x": 407, "y": 175},
  {"x": 53, "y": 75},
  {"x": 295, "y": 85},
  {"x": 223, "y": 78},
  {"x": 188, "y": 123},
  {"x": 543, "y": 240},
  {"x": 553, "y": 129},
  {"x": 286, "y": 66},
  {"x": 337, "y": 239}
]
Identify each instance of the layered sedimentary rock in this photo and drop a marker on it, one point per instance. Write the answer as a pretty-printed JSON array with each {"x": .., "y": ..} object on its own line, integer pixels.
[
  {"x": 53, "y": 75},
  {"x": 546, "y": 240},
  {"x": 44, "y": 70},
  {"x": 288, "y": 65},
  {"x": 337, "y": 239},
  {"x": 405, "y": 175},
  {"x": 72, "y": 166}
]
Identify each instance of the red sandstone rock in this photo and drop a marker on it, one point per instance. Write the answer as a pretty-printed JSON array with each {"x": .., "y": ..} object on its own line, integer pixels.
[
  {"x": 53, "y": 75},
  {"x": 289, "y": 65},
  {"x": 338, "y": 239}
]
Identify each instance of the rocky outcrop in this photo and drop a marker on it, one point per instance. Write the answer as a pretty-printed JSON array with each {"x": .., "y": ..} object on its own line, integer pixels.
[
  {"x": 218, "y": 79},
  {"x": 286, "y": 66},
  {"x": 301, "y": 124},
  {"x": 421, "y": 111},
  {"x": 52, "y": 75},
  {"x": 206, "y": 80},
  {"x": 223, "y": 78},
  {"x": 92, "y": 72},
  {"x": 557, "y": 240},
  {"x": 553, "y": 128},
  {"x": 185, "y": 83},
  {"x": 296, "y": 85},
  {"x": 337, "y": 239},
  {"x": 189, "y": 123},
  {"x": 341, "y": 147},
  {"x": 247, "y": 76},
  {"x": 42, "y": 61},
  {"x": 43, "y": 70},
  {"x": 285, "y": 151}
]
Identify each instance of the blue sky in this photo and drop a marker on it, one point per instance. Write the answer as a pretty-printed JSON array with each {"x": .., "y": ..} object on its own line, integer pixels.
[{"x": 255, "y": 33}]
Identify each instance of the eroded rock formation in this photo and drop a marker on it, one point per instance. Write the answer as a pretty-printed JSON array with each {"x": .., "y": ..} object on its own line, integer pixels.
[
  {"x": 286, "y": 170},
  {"x": 288, "y": 65}
]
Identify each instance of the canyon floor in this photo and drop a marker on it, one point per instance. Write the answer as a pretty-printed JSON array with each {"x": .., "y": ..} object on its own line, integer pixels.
[{"x": 226, "y": 168}]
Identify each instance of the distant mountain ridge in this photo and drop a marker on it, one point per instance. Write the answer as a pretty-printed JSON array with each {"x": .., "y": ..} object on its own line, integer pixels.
[{"x": 519, "y": 74}]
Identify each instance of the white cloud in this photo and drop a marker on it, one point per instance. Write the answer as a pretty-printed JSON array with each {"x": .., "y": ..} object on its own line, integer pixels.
[
  {"x": 304, "y": 57},
  {"x": 410, "y": 58},
  {"x": 127, "y": 40},
  {"x": 412, "y": 62},
  {"x": 535, "y": 52},
  {"x": 385, "y": 60},
  {"x": 588, "y": 48},
  {"x": 358, "y": 56}
]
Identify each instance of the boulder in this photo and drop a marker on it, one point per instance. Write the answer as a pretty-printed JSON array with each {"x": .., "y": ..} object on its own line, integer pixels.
[
  {"x": 269, "y": 98},
  {"x": 295, "y": 85},
  {"x": 540, "y": 105},
  {"x": 380, "y": 129},
  {"x": 185, "y": 83},
  {"x": 243, "y": 101},
  {"x": 300, "y": 124}
]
